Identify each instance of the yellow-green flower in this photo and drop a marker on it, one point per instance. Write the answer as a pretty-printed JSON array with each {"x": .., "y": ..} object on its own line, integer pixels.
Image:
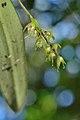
[
  {"x": 55, "y": 47},
  {"x": 50, "y": 57},
  {"x": 60, "y": 61}
]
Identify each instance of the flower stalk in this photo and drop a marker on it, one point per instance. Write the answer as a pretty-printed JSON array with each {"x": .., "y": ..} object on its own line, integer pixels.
[{"x": 43, "y": 40}]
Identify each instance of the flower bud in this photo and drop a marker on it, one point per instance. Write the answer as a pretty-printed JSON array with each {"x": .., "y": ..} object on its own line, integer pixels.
[
  {"x": 60, "y": 61},
  {"x": 48, "y": 35},
  {"x": 39, "y": 43},
  {"x": 47, "y": 49},
  {"x": 31, "y": 29},
  {"x": 55, "y": 47},
  {"x": 51, "y": 56}
]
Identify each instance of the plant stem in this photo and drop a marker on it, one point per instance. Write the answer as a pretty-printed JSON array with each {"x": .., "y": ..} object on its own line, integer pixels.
[
  {"x": 25, "y": 28},
  {"x": 25, "y": 9}
]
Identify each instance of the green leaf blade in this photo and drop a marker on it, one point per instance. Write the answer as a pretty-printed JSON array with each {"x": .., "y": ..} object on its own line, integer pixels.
[{"x": 13, "y": 82}]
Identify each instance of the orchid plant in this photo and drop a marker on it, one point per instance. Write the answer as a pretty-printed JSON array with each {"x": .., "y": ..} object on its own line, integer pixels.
[{"x": 43, "y": 40}]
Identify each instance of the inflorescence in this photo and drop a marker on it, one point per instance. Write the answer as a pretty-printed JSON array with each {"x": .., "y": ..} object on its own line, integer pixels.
[{"x": 43, "y": 40}]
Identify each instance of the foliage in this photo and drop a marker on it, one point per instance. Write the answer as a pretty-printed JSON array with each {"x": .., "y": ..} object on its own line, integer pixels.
[{"x": 12, "y": 57}]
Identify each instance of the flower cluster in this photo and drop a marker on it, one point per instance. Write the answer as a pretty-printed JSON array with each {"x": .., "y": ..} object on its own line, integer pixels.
[{"x": 43, "y": 41}]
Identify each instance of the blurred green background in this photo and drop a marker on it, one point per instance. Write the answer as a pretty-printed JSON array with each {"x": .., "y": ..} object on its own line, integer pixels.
[{"x": 52, "y": 94}]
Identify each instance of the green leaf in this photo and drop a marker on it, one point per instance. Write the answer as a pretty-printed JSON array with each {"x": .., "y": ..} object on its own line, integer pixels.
[{"x": 13, "y": 81}]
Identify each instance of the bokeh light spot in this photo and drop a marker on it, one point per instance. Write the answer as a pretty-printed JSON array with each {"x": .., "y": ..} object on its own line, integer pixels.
[
  {"x": 68, "y": 29},
  {"x": 45, "y": 19},
  {"x": 68, "y": 52},
  {"x": 42, "y": 5},
  {"x": 78, "y": 51},
  {"x": 65, "y": 98},
  {"x": 51, "y": 77},
  {"x": 48, "y": 103},
  {"x": 73, "y": 66},
  {"x": 31, "y": 97}
]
